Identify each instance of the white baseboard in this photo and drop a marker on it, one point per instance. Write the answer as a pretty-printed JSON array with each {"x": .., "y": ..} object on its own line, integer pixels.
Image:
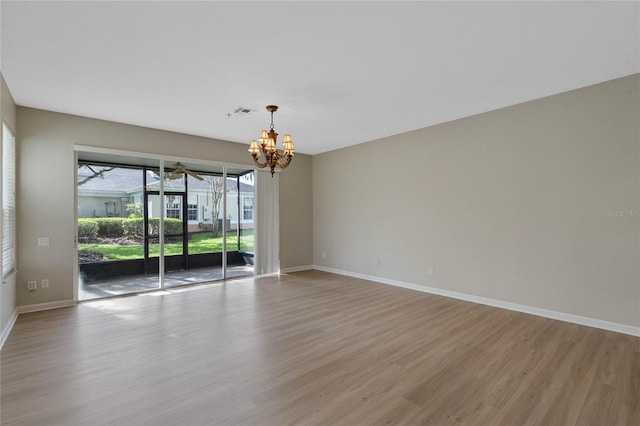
[
  {"x": 296, "y": 269},
  {"x": 7, "y": 328},
  {"x": 546, "y": 313},
  {"x": 45, "y": 306}
]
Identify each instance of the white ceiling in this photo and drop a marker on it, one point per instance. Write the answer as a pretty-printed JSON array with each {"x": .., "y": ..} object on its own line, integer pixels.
[{"x": 342, "y": 72}]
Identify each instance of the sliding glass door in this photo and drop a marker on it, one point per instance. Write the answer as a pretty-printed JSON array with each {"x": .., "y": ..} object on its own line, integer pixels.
[{"x": 140, "y": 231}]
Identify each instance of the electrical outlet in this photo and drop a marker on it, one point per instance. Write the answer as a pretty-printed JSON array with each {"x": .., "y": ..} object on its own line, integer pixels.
[
  {"x": 43, "y": 242},
  {"x": 430, "y": 271},
  {"x": 324, "y": 255},
  {"x": 44, "y": 283},
  {"x": 32, "y": 285}
]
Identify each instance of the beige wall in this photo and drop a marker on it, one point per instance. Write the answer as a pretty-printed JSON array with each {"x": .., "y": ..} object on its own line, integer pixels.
[
  {"x": 8, "y": 289},
  {"x": 46, "y": 191},
  {"x": 296, "y": 214},
  {"x": 535, "y": 204}
]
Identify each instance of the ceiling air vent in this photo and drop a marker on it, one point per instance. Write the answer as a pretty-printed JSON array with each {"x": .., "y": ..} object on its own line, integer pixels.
[{"x": 243, "y": 111}]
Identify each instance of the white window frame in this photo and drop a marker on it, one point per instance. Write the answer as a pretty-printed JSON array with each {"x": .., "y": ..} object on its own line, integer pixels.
[
  {"x": 244, "y": 209},
  {"x": 193, "y": 207},
  {"x": 9, "y": 214},
  {"x": 171, "y": 206}
]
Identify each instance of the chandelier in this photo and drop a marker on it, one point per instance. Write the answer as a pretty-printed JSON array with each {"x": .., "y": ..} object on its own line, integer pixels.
[{"x": 269, "y": 151}]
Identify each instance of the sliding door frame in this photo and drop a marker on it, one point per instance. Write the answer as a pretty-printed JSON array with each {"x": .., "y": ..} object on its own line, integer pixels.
[{"x": 146, "y": 161}]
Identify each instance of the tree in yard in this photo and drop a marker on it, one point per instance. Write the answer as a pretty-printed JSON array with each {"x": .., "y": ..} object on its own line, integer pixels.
[
  {"x": 216, "y": 190},
  {"x": 95, "y": 172},
  {"x": 134, "y": 210}
]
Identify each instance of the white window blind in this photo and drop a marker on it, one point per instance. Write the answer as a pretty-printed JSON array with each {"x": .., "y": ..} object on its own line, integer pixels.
[{"x": 8, "y": 201}]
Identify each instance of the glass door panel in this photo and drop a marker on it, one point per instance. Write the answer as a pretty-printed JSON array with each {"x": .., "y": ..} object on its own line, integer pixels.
[
  {"x": 111, "y": 246},
  {"x": 151, "y": 230},
  {"x": 204, "y": 224},
  {"x": 175, "y": 255},
  {"x": 240, "y": 197}
]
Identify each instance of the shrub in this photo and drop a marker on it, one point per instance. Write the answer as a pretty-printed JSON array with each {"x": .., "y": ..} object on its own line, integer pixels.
[
  {"x": 172, "y": 226},
  {"x": 110, "y": 227},
  {"x": 133, "y": 227},
  {"x": 87, "y": 228}
]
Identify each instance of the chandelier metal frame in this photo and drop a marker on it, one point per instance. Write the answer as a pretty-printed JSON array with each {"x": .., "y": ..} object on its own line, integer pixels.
[{"x": 267, "y": 148}]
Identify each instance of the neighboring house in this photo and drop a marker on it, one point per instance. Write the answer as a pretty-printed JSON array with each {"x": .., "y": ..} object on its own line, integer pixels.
[{"x": 106, "y": 192}]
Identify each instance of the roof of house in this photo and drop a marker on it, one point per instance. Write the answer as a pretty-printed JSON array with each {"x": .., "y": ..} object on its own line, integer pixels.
[{"x": 130, "y": 180}]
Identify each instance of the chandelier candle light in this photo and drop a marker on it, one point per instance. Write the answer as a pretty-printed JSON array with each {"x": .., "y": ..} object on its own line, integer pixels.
[{"x": 268, "y": 143}]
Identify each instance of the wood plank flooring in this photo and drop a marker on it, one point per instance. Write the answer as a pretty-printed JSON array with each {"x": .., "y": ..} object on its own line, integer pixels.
[{"x": 312, "y": 348}]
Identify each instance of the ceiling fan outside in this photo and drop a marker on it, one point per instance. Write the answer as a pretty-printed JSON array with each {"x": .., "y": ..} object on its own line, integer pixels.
[{"x": 178, "y": 172}]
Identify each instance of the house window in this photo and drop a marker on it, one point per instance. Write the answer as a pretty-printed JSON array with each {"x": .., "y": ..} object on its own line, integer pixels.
[
  {"x": 192, "y": 212},
  {"x": 247, "y": 209},
  {"x": 173, "y": 208},
  {"x": 8, "y": 201},
  {"x": 192, "y": 207}
]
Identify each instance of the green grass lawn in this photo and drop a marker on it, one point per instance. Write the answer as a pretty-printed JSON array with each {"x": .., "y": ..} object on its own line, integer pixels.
[{"x": 199, "y": 243}]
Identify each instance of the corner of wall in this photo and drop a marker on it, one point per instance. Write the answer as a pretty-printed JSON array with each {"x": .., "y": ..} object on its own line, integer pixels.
[{"x": 7, "y": 327}]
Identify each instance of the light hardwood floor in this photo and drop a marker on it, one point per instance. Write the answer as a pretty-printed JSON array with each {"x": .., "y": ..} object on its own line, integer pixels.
[{"x": 312, "y": 348}]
